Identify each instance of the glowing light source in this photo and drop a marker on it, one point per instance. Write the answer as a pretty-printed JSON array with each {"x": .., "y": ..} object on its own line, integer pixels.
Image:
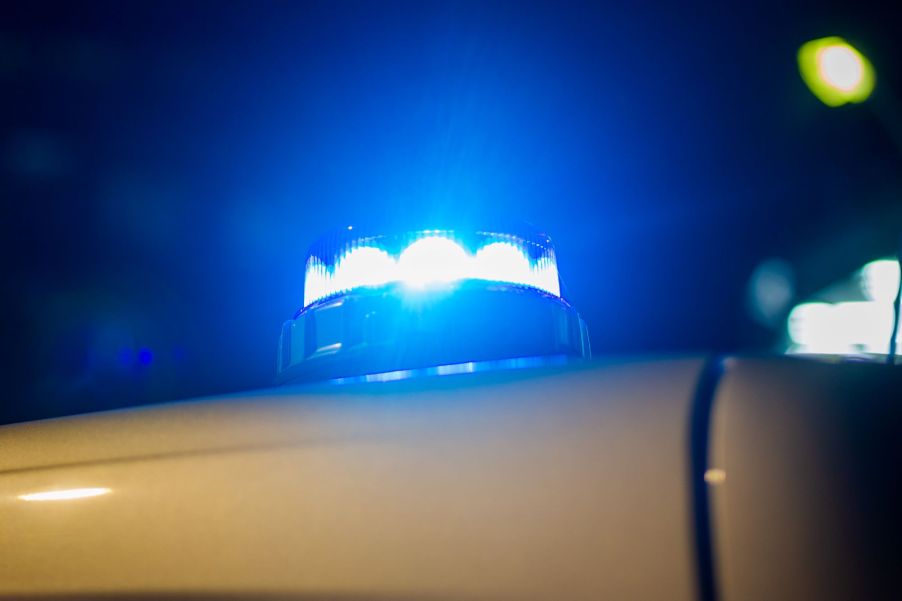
[
  {"x": 771, "y": 289},
  {"x": 502, "y": 261},
  {"x": 431, "y": 258},
  {"x": 393, "y": 305},
  {"x": 317, "y": 281},
  {"x": 66, "y": 494},
  {"x": 844, "y": 328},
  {"x": 810, "y": 330},
  {"x": 364, "y": 266},
  {"x": 880, "y": 280},
  {"x": 849, "y": 327},
  {"x": 841, "y": 67},
  {"x": 835, "y": 71},
  {"x": 546, "y": 276}
]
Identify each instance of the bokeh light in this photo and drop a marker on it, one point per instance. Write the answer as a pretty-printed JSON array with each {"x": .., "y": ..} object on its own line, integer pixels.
[
  {"x": 849, "y": 327},
  {"x": 880, "y": 280},
  {"x": 841, "y": 67},
  {"x": 835, "y": 71}
]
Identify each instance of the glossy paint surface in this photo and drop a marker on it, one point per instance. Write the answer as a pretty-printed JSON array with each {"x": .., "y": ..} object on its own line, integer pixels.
[
  {"x": 804, "y": 480},
  {"x": 536, "y": 484}
]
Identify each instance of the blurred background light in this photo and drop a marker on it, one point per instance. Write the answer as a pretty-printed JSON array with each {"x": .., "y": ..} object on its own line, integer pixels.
[
  {"x": 809, "y": 326},
  {"x": 771, "y": 289},
  {"x": 841, "y": 67},
  {"x": 145, "y": 356},
  {"x": 835, "y": 71},
  {"x": 879, "y": 280},
  {"x": 858, "y": 320}
]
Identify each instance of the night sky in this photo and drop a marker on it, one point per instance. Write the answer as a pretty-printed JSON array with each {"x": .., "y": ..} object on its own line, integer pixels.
[{"x": 165, "y": 166}]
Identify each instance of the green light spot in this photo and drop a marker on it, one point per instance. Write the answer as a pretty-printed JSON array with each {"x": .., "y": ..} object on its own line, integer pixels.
[{"x": 835, "y": 71}]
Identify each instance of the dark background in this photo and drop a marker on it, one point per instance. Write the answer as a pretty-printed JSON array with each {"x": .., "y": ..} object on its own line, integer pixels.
[{"x": 164, "y": 167}]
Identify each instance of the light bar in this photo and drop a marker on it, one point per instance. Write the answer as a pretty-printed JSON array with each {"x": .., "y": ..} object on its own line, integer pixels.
[
  {"x": 384, "y": 307},
  {"x": 429, "y": 258}
]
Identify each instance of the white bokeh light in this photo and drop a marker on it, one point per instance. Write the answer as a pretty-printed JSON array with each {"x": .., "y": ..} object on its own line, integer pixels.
[
  {"x": 841, "y": 67},
  {"x": 880, "y": 280},
  {"x": 844, "y": 328}
]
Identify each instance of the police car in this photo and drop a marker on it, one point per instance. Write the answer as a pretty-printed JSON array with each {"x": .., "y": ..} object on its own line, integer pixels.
[{"x": 440, "y": 431}]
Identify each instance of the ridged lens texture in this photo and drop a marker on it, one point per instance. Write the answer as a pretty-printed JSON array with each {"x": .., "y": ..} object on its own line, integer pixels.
[{"x": 419, "y": 260}]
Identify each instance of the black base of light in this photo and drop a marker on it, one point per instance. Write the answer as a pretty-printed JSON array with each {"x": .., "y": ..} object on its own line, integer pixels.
[{"x": 392, "y": 328}]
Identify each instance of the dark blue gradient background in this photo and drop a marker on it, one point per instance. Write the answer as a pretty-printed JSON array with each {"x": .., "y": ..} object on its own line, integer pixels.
[{"x": 166, "y": 165}]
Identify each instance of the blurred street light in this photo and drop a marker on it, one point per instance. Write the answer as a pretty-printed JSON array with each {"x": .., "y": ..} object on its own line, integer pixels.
[{"x": 835, "y": 71}]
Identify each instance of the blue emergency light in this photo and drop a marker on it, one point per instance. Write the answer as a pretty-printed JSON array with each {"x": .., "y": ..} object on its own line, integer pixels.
[{"x": 382, "y": 307}]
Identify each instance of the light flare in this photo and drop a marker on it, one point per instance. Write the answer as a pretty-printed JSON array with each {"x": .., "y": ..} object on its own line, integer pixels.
[
  {"x": 430, "y": 260},
  {"x": 66, "y": 494}
]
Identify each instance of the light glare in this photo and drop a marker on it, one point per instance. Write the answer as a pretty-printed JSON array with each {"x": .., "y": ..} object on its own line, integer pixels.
[
  {"x": 65, "y": 494},
  {"x": 880, "y": 280},
  {"x": 835, "y": 71},
  {"x": 715, "y": 476},
  {"x": 840, "y": 66},
  {"x": 317, "y": 281},
  {"x": 431, "y": 259},
  {"x": 364, "y": 266},
  {"x": 500, "y": 261},
  {"x": 844, "y": 328},
  {"x": 853, "y": 326}
]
